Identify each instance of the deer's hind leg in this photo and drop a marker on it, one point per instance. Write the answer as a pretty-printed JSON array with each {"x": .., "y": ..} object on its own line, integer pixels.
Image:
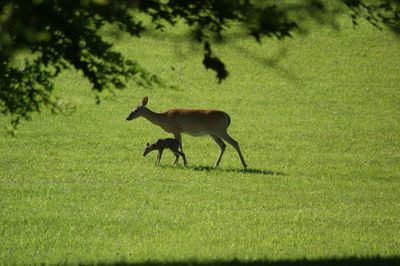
[{"x": 235, "y": 144}]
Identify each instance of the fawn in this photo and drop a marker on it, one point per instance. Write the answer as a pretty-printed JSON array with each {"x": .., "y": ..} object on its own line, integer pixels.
[{"x": 162, "y": 144}]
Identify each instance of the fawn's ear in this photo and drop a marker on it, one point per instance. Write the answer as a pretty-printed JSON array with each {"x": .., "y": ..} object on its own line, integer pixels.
[
  {"x": 148, "y": 144},
  {"x": 145, "y": 100}
]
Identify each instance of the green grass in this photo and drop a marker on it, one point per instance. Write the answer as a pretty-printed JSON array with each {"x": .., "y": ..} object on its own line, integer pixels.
[{"x": 318, "y": 121}]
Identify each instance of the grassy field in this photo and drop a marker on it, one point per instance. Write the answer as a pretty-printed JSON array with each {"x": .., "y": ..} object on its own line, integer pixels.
[{"x": 318, "y": 121}]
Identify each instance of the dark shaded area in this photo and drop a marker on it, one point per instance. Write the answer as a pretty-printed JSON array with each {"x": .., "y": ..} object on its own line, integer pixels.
[
  {"x": 378, "y": 13},
  {"x": 376, "y": 261},
  {"x": 227, "y": 170},
  {"x": 270, "y": 62}
]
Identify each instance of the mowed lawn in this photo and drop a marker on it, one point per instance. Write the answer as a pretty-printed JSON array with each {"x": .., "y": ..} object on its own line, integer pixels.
[{"x": 317, "y": 118}]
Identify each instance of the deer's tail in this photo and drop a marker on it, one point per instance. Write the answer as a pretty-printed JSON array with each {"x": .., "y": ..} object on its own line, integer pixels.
[{"x": 228, "y": 119}]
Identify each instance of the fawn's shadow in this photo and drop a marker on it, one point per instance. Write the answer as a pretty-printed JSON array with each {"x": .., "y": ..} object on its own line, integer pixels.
[{"x": 227, "y": 170}]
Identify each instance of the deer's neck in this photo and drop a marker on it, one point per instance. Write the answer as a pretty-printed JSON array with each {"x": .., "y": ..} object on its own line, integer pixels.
[{"x": 158, "y": 119}]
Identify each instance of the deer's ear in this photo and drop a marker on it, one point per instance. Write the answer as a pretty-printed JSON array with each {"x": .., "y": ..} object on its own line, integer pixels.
[
  {"x": 148, "y": 144},
  {"x": 145, "y": 100}
]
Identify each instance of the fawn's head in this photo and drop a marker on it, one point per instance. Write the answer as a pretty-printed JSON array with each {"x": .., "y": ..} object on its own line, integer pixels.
[
  {"x": 150, "y": 148},
  {"x": 138, "y": 110}
]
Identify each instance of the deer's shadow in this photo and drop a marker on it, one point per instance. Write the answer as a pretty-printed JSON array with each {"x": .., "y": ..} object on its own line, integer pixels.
[{"x": 227, "y": 170}]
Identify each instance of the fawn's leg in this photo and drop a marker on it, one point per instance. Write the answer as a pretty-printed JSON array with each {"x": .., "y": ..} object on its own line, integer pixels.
[
  {"x": 235, "y": 144},
  {"x": 176, "y": 156},
  {"x": 222, "y": 145},
  {"x": 183, "y": 157},
  {"x": 176, "y": 151},
  {"x": 159, "y": 157},
  {"x": 176, "y": 159}
]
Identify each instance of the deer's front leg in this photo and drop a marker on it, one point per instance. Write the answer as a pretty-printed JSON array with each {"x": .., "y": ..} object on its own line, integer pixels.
[
  {"x": 178, "y": 137},
  {"x": 222, "y": 145}
]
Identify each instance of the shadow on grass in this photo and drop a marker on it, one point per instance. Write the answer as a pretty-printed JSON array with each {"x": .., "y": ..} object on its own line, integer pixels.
[
  {"x": 329, "y": 262},
  {"x": 228, "y": 170}
]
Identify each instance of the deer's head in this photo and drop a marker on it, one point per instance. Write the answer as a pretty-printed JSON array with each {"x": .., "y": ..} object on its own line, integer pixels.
[
  {"x": 150, "y": 148},
  {"x": 137, "y": 112}
]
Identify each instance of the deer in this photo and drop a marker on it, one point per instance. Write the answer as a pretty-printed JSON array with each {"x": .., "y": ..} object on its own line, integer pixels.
[
  {"x": 195, "y": 122},
  {"x": 162, "y": 144}
]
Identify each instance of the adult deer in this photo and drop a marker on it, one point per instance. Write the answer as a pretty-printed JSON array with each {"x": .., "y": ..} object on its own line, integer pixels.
[{"x": 193, "y": 122}]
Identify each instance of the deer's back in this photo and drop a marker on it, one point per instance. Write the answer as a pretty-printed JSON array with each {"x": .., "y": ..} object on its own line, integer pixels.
[
  {"x": 168, "y": 143},
  {"x": 199, "y": 122}
]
